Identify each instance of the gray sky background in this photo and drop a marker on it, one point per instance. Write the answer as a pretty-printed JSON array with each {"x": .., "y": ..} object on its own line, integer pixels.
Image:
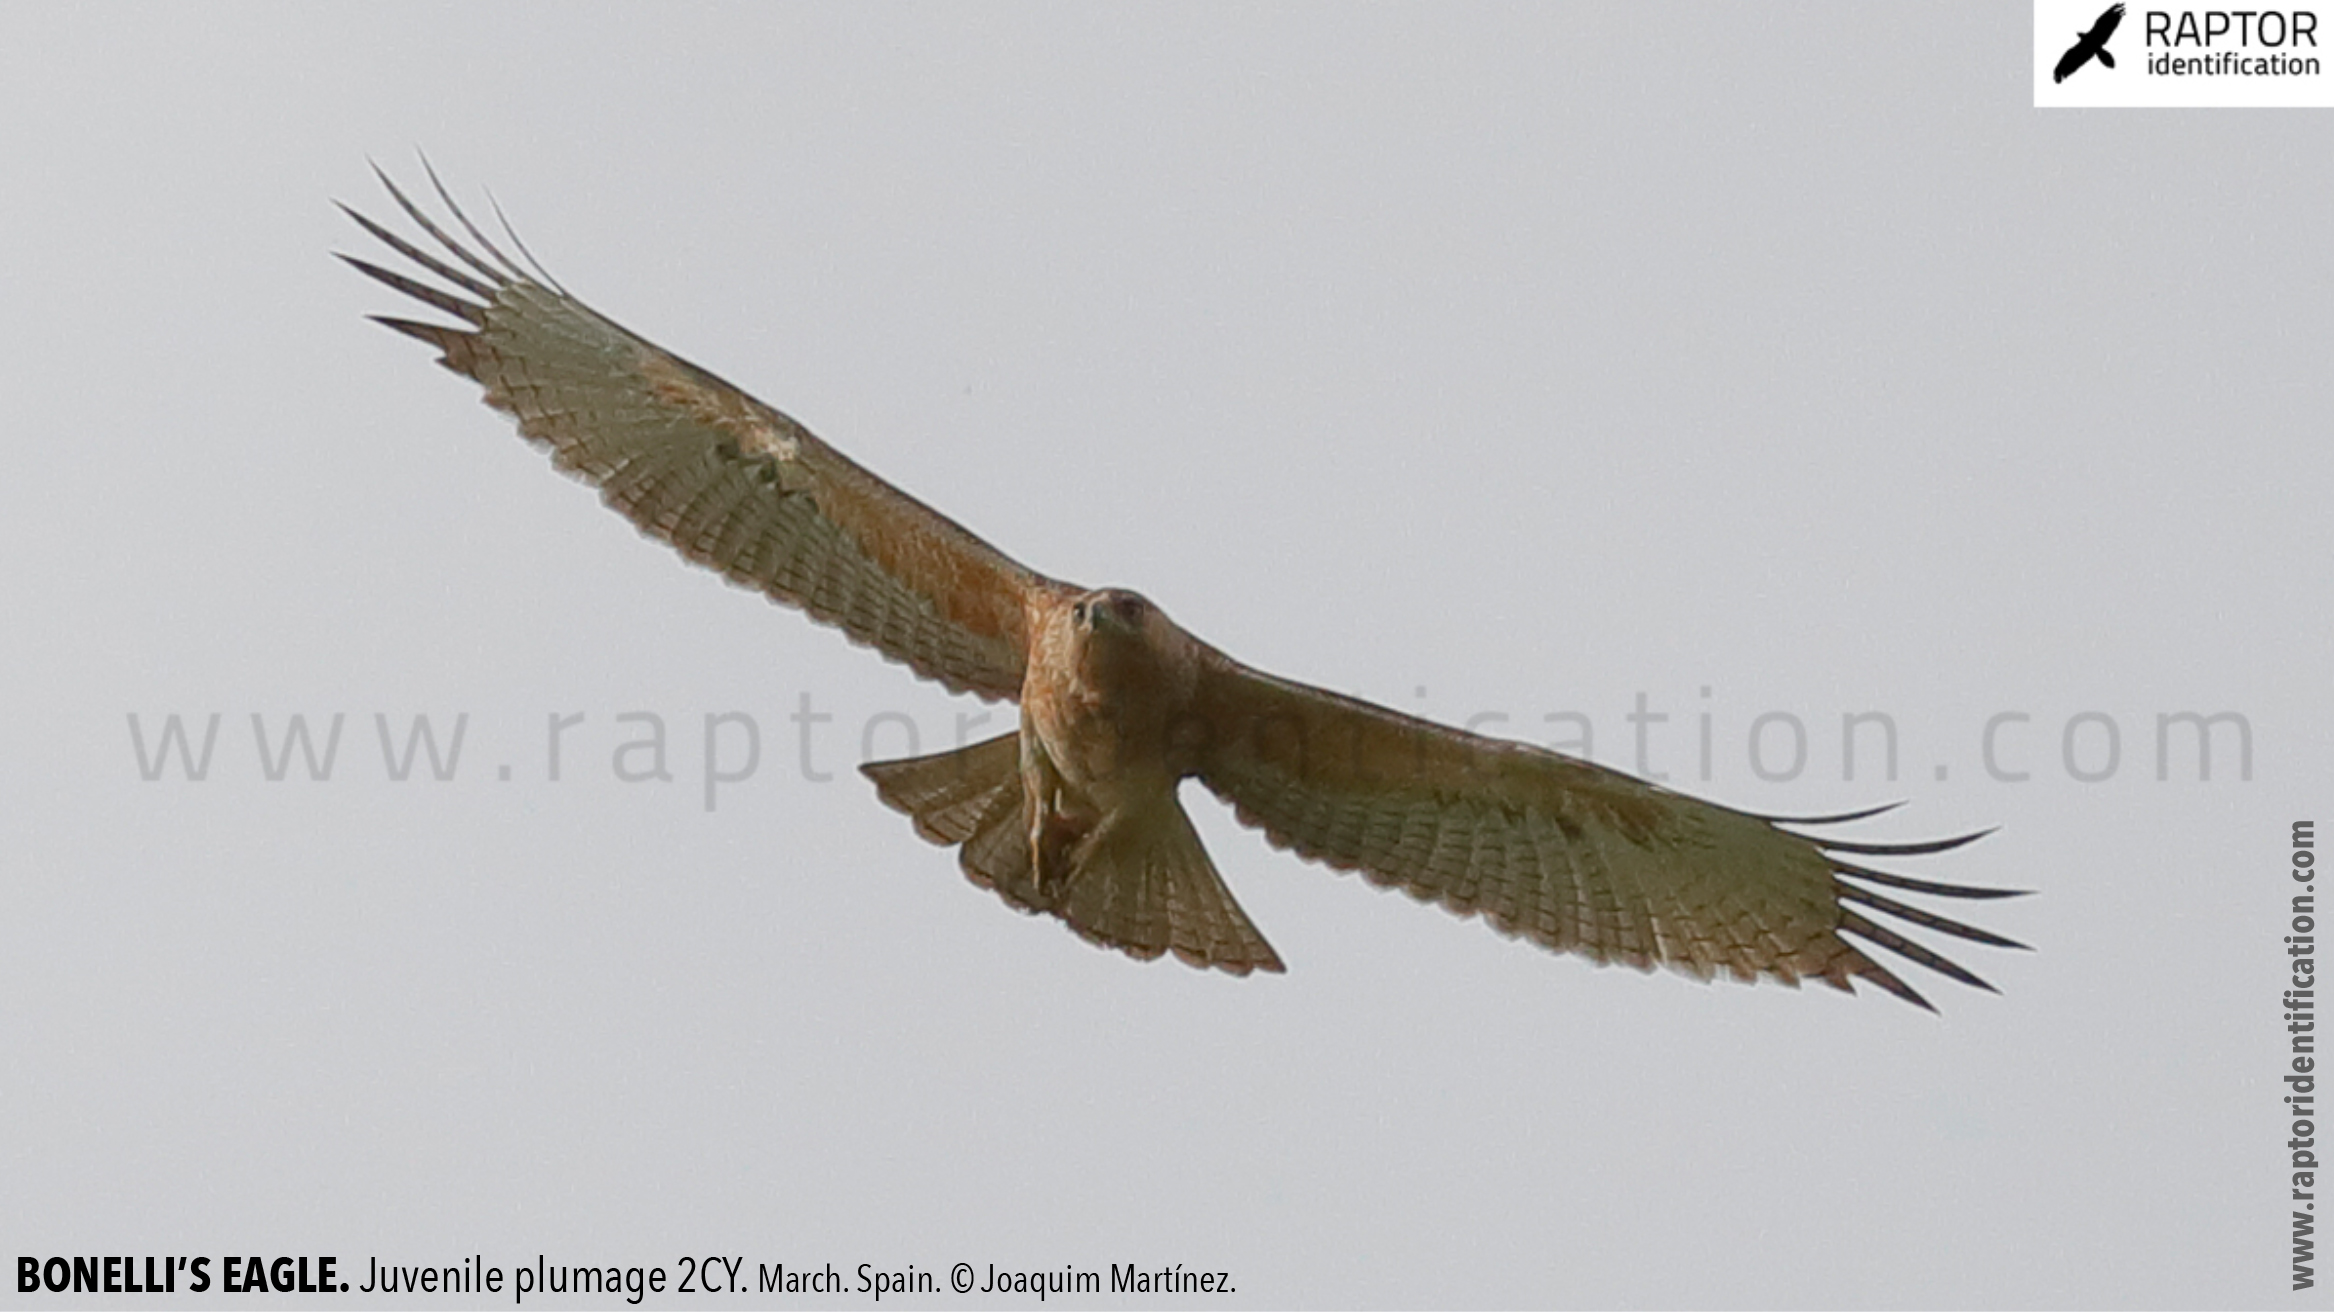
[{"x": 1536, "y": 359}]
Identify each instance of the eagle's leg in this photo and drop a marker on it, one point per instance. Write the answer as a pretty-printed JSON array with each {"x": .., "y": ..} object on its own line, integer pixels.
[
  {"x": 1053, "y": 828},
  {"x": 1051, "y": 838}
]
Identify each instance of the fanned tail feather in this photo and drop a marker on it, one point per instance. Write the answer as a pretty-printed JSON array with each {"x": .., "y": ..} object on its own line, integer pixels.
[
  {"x": 948, "y": 794},
  {"x": 1142, "y": 883},
  {"x": 1139, "y": 882}
]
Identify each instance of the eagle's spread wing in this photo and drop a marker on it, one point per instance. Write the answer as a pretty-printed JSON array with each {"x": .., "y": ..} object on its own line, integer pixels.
[
  {"x": 1571, "y": 855},
  {"x": 731, "y": 482},
  {"x": 2106, "y": 25}
]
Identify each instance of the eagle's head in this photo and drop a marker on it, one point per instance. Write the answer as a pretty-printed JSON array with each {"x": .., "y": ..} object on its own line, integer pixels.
[
  {"x": 1114, "y": 614},
  {"x": 1128, "y": 648}
]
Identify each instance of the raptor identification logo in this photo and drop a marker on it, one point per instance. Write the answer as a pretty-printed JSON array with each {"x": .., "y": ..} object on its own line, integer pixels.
[{"x": 2141, "y": 55}]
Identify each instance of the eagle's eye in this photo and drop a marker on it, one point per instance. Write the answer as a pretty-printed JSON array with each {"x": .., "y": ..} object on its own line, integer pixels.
[{"x": 1078, "y": 612}]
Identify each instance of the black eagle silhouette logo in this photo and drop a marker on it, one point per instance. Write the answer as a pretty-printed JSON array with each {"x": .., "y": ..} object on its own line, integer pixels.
[{"x": 2088, "y": 44}]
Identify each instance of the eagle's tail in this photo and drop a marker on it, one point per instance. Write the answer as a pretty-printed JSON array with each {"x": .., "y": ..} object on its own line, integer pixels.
[
  {"x": 1138, "y": 881},
  {"x": 949, "y": 793},
  {"x": 1141, "y": 883},
  {"x": 971, "y": 797},
  {"x": 2103, "y": 57}
]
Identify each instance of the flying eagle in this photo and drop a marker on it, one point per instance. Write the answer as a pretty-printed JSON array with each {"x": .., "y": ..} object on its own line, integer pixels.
[
  {"x": 2087, "y": 44},
  {"x": 1076, "y": 814}
]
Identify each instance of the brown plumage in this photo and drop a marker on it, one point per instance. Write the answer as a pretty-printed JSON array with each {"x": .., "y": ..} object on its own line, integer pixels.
[{"x": 1076, "y": 815}]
